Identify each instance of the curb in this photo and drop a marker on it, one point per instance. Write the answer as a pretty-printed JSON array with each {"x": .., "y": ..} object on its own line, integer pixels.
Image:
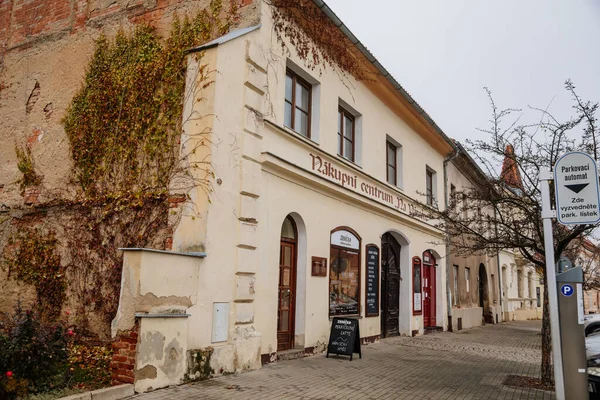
[{"x": 110, "y": 393}]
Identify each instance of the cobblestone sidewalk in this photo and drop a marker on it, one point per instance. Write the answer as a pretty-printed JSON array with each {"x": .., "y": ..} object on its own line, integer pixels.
[{"x": 466, "y": 365}]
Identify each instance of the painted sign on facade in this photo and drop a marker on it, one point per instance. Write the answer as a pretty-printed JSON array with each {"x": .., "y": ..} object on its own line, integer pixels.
[{"x": 355, "y": 183}]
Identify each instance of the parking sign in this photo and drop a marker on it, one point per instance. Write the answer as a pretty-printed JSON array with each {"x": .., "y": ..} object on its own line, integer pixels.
[{"x": 576, "y": 187}]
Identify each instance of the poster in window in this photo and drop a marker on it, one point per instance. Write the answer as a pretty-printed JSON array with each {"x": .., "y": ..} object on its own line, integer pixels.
[
  {"x": 344, "y": 273},
  {"x": 417, "y": 286}
]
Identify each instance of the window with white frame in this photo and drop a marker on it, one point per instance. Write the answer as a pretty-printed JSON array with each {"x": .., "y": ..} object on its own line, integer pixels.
[
  {"x": 297, "y": 103},
  {"x": 431, "y": 187},
  {"x": 455, "y": 300},
  {"x": 452, "y": 199},
  {"x": 349, "y": 134},
  {"x": 302, "y": 103},
  {"x": 393, "y": 161},
  {"x": 467, "y": 276}
]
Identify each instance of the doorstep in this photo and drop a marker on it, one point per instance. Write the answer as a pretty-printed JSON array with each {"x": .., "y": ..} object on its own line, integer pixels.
[
  {"x": 433, "y": 329},
  {"x": 291, "y": 354}
]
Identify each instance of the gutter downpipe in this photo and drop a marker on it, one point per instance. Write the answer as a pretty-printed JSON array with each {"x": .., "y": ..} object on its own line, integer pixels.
[{"x": 448, "y": 159}]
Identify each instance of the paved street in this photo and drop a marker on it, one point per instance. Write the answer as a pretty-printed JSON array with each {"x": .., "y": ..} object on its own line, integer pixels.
[{"x": 467, "y": 365}]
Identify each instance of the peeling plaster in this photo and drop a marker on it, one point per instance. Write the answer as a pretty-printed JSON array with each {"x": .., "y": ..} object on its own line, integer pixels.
[
  {"x": 173, "y": 354},
  {"x": 148, "y": 372},
  {"x": 151, "y": 347}
]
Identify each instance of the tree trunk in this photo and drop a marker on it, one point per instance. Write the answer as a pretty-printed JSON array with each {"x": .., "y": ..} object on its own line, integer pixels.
[{"x": 547, "y": 374}]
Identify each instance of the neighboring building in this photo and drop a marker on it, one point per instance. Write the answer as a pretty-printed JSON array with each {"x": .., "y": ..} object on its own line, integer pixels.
[
  {"x": 586, "y": 255},
  {"x": 473, "y": 279},
  {"x": 522, "y": 288}
]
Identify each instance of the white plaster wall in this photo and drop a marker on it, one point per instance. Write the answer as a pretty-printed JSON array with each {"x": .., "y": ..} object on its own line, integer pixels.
[
  {"x": 322, "y": 212},
  {"x": 277, "y": 174},
  {"x": 161, "y": 354},
  {"x": 379, "y": 119}
]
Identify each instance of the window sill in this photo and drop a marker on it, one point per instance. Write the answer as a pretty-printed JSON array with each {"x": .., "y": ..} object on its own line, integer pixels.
[
  {"x": 392, "y": 186},
  {"x": 347, "y": 161},
  {"x": 299, "y": 135}
]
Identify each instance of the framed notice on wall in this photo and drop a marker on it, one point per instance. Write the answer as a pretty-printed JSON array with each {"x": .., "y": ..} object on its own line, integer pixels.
[
  {"x": 372, "y": 281},
  {"x": 319, "y": 266}
]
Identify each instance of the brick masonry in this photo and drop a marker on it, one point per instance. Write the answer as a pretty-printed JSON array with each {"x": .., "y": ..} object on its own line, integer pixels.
[
  {"x": 25, "y": 21},
  {"x": 122, "y": 365}
]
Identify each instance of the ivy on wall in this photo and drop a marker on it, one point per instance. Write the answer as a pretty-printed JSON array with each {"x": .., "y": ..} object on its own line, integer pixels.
[
  {"x": 124, "y": 128},
  {"x": 25, "y": 165},
  {"x": 32, "y": 258},
  {"x": 125, "y": 123}
]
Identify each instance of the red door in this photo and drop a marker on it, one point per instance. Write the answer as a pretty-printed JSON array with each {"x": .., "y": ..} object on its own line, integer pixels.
[{"x": 429, "y": 315}]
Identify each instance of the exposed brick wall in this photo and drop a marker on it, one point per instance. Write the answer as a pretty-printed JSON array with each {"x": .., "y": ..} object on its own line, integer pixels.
[
  {"x": 23, "y": 21},
  {"x": 122, "y": 365}
]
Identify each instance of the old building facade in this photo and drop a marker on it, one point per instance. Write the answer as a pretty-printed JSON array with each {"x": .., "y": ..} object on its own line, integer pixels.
[
  {"x": 473, "y": 278},
  {"x": 319, "y": 188},
  {"x": 315, "y": 176}
]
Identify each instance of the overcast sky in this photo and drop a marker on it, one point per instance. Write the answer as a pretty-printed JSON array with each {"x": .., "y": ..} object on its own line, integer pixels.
[{"x": 444, "y": 52}]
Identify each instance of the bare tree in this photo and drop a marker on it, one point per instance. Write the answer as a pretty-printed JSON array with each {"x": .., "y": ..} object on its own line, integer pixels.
[{"x": 504, "y": 209}]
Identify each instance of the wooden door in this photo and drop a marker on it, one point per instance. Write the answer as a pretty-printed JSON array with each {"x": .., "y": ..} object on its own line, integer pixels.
[
  {"x": 426, "y": 297},
  {"x": 390, "y": 286},
  {"x": 287, "y": 289},
  {"x": 429, "y": 299}
]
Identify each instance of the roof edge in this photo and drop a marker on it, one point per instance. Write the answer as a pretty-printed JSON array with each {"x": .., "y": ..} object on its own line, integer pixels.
[
  {"x": 234, "y": 34},
  {"x": 369, "y": 56}
]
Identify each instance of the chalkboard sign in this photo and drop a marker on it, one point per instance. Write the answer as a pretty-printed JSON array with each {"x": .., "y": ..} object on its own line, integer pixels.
[
  {"x": 372, "y": 296},
  {"x": 344, "y": 338}
]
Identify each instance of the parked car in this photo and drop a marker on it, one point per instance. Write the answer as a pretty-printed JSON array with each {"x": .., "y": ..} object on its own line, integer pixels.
[
  {"x": 592, "y": 345},
  {"x": 593, "y": 371},
  {"x": 591, "y": 323}
]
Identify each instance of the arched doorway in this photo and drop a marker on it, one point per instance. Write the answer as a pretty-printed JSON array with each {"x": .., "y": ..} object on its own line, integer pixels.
[
  {"x": 287, "y": 285},
  {"x": 429, "y": 290},
  {"x": 390, "y": 286},
  {"x": 483, "y": 293}
]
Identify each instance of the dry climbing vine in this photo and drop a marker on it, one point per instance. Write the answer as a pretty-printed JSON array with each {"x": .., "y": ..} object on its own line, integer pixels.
[
  {"x": 315, "y": 38},
  {"x": 32, "y": 258}
]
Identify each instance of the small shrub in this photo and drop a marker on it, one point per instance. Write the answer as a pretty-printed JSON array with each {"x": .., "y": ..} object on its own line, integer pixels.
[
  {"x": 35, "y": 353},
  {"x": 89, "y": 366}
]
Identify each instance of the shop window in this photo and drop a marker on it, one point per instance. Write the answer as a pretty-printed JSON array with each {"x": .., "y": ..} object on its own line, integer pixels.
[
  {"x": 417, "y": 286},
  {"x": 344, "y": 272},
  {"x": 297, "y": 114}
]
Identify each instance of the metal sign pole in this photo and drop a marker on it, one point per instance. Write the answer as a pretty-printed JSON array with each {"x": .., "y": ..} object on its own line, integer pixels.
[{"x": 547, "y": 215}]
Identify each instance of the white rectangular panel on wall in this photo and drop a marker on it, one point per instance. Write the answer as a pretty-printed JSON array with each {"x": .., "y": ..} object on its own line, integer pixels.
[{"x": 220, "y": 322}]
